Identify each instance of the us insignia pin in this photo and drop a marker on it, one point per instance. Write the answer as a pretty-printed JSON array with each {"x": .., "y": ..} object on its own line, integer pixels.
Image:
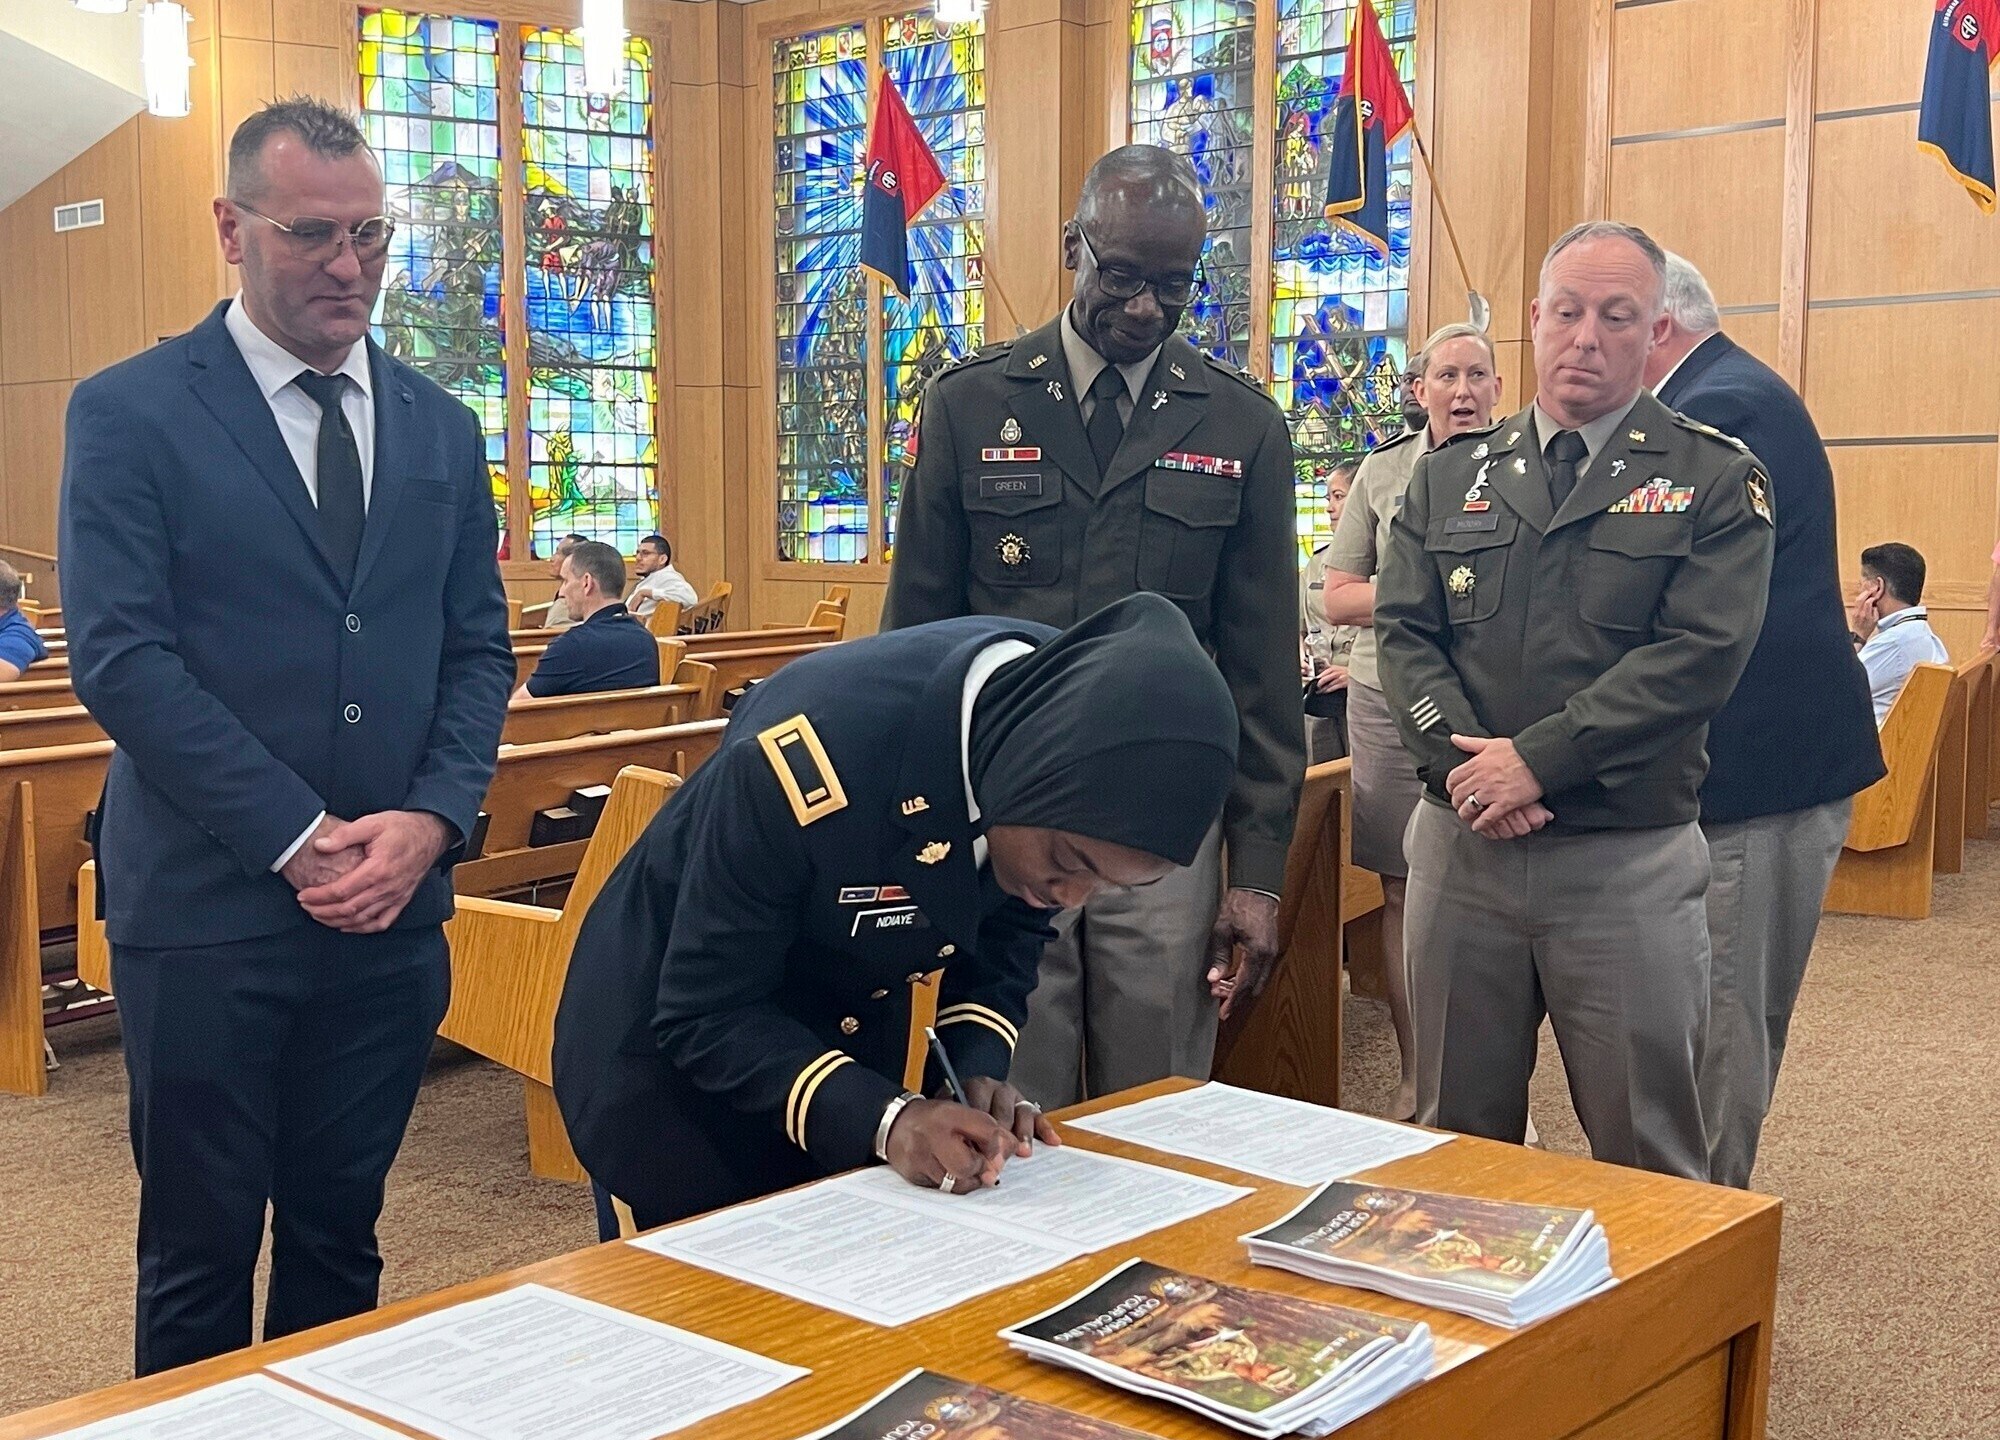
[
  {"x": 1461, "y": 582},
  {"x": 934, "y": 852},
  {"x": 1159, "y": 398},
  {"x": 1038, "y": 362},
  {"x": 1515, "y": 436},
  {"x": 1013, "y": 550},
  {"x": 1637, "y": 437},
  {"x": 916, "y": 805},
  {"x": 1179, "y": 374},
  {"x": 1010, "y": 433}
]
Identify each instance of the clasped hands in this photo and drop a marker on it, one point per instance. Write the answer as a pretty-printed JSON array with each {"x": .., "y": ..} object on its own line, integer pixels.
[
  {"x": 1495, "y": 792},
  {"x": 939, "y": 1138},
  {"x": 357, "y": 875}
]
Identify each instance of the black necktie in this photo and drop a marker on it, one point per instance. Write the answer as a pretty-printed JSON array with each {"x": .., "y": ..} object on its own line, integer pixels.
[
  {"x": 341, "y": 506},
  {"x": 1562, "y": 454},
  {"x": 1106, "y": 429}
]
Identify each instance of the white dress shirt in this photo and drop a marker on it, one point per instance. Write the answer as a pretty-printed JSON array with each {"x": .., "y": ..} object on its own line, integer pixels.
[
  {"x": 1901, "y": 643},
  {"x": 274, "y": 368},
  {"x": 982, "y": 668},
  {"x": 665, "y": 583}
]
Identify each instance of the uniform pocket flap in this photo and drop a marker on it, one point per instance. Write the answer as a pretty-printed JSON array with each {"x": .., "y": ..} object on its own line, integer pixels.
[
  {"x": 1642, "y": 536},
  {"x": 1194, "y": 500}
]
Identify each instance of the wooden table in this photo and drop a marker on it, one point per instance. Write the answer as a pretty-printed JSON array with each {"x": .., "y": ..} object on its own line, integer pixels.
[{"x": 1680, "y": 1349}]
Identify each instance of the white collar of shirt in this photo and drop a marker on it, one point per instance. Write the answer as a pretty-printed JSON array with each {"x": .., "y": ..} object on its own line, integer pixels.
[
  {"x": 981, "y": 670},
  {"x": 1913, "y": 612},
  {"x": 1596, "y": 435},
  {"x": 1085, "y": 364},
  {"x": 274, "y": 368}
]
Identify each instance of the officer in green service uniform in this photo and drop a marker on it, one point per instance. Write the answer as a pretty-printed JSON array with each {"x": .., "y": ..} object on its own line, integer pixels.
[
  {"x": 1099, "y": 456},
  {"x": 1567, "y": 598}
]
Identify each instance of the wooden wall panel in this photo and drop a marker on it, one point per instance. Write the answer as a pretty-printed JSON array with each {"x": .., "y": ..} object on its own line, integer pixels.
[
  {"x": 700, "y": 526},
  {"x": 696, "y": 333},
  {"x": 107, "y": 295},
  {"x": 1939, "y": 498},
  {"x": 1736, "y": 49},
  {"x": 1894, "y": 370},
  {"x": 34, "y": 289},
  {"x": 310, "y": 70},
  {"x": 245, "y": 19},
  {"x": 34, "y": 429},
  {"x": 1717, "y": 199},
  {"x": 180, "y": 171},
  {"x": 1870, "y": 53},
  {"x": 1888, "y": 220},
  {"x": 247, "y": 81},
  {"x": 310, "y": 22},
  {"x": 1756, "y": 333},
  {"x": 1030, "y": 190}
]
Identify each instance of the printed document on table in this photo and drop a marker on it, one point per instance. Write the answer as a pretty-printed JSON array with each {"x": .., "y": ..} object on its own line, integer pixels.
[
  {"x": 532, "y": 1363},
  {"x": 254, "y": 1405},
  {"x": 871, "y": 1245},
  {"x": 1287, "y": 1140}
]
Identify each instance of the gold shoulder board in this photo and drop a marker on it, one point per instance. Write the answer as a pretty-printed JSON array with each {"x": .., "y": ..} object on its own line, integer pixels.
[{"x": 802, "y": 768}]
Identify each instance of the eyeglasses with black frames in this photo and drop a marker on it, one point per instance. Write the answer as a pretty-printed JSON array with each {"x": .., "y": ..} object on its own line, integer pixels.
[{"x": 1122, "y": 284}]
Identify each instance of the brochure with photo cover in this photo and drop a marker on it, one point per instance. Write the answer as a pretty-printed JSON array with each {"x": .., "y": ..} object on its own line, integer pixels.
[
  {"x": 925, "y": 1405},
  {"x": 1496, "y": 1260},
  {"x": 1263, "y": 1362}
]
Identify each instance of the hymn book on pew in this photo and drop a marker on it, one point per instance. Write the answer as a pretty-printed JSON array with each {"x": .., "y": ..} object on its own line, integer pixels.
[
  {"x": 1260, "y": 1362},
  {"x": 1507, "y": 1264},
  {"x": 925, "y": 1405}
]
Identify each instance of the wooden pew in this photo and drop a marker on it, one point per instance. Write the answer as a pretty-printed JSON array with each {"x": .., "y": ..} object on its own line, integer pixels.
[
  {"x": 706, "y": 647},
  {"x": 693, "y": 696},
  {"x": 1288, "y": 1043},
  {"x": 44, "y": 798},
  {"x": 36, "y": 694},
  {"x": 664, "y": 619},
  {"x": 1885, "y": 866},
  {"x": 736, "y": 668},
  {"x": 528, "y": 656},
  {"x": 708, "y": 614},
  {"x": 53, "y": 725},
  {"x": 530, "y": 778},
  {"x": 508, "y": 963},
  {"x": 1948, "y": 851}
]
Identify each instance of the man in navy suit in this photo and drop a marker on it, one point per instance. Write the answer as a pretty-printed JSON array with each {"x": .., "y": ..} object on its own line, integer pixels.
[
  {"x": 300, "y": 752},
  {"x": 1793, "y": 745}
]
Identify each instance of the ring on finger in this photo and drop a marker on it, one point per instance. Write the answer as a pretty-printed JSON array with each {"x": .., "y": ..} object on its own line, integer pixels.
[{"x": 1027, "y": 1105}]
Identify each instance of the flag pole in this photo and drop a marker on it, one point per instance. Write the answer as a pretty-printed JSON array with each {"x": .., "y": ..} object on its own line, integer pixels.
[{"x": 1478, "y": 301}]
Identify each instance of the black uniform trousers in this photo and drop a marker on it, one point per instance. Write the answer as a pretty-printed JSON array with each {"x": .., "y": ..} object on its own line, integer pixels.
[{"x": 279, "y": 1070}]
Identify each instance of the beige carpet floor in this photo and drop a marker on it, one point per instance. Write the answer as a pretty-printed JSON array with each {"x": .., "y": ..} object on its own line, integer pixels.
[{"x": 1882, "y": 1141}]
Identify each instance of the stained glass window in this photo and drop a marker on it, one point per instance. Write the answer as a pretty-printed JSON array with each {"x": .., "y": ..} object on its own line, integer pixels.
[
  {"x": 593, "y": 385},
  {"x": 1339, "y": 310},
  {"x": 820, "y": 115},
  {"x": 940, "y": 70},
  {"x": 429, "y": 107},
  {"x": 1193, "y": 89}
]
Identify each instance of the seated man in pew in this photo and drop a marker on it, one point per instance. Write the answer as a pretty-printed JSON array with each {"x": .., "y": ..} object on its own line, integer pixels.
[
  {"x": 606, "y": 649},
  {"x": 658, "y": 580},
  {"x": 20, "y": 646},
  {"x": 737, "y": 1007},
  {"x": 1890, "y": 625},
  {"x": 558, "y": 615}
]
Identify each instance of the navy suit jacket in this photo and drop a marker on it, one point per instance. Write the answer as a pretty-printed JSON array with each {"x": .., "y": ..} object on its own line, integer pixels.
[
  {"x": 246, "y": 688},
  {"x": 1799, "y": 730}
]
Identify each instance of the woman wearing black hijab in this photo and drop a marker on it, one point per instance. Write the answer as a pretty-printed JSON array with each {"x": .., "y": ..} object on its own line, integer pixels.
[{"x": 736, "y": 1013}]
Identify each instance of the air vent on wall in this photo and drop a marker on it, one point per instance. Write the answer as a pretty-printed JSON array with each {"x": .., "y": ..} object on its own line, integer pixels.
[{"x": 80, "y": 216}]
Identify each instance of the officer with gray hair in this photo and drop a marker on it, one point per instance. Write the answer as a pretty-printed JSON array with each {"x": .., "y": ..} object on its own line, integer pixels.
[
  {"x": 1567, "y": 598},
  {"x": 1790, "y": 749}
]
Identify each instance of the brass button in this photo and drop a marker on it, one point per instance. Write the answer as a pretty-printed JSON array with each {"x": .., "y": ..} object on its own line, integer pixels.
[
  {"x": 849, "y": 1025},
  {"x": 948, "y": 951},
  {"x": 914, "y": 978},
  {"x": 879, "y": 995}
]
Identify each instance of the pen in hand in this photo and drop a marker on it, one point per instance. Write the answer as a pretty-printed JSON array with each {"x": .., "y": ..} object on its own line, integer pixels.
[{"x": 944, "y": 1064}]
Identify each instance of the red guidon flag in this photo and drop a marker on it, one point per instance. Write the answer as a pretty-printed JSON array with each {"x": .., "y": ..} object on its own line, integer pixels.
[{"x": 903, "y": 177}]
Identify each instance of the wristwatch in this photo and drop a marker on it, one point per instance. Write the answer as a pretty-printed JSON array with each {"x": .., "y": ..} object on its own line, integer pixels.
[{"x": 889, "y": 1114}]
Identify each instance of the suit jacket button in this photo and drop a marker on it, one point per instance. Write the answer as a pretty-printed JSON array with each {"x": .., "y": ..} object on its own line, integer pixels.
[
  {"x": 915, "y": 977},
  {"x": 947, "y": 952},
  {"x": 879, "y": 995},
  {"x": 352, "y": 714},
  {"x": 354, "y": 624},
  {"x": 849, "y": 1025}
]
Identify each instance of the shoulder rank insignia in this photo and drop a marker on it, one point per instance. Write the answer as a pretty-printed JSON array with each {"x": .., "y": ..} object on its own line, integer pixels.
[
  {"x": 1760, "y": 496},
  {"x": 803, "y": 769}
]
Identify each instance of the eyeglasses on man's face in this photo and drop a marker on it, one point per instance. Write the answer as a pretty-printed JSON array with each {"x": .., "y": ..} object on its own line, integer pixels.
[
  {"x": 1120, "y": 283},
  {"x": 316, "y": 238}
]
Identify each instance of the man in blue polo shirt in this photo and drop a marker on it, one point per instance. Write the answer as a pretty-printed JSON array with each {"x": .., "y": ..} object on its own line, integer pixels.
[
  {"x": 20, "y": 646},
  {"x": 607, "y": 649}
]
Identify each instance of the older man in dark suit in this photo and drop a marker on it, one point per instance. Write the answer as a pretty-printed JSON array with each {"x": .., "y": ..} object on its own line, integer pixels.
[
  {"x": 1793, "y": 745},
  {"x": 301, "y": 752}
]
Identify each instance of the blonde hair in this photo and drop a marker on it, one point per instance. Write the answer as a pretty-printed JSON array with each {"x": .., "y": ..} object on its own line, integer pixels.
[{"x": 1457, "y": 330}]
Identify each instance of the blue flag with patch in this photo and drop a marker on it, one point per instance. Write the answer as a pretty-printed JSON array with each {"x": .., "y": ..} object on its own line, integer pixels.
[
  {"x": 903, "y": 177},
  {"x": 1956, "y": 120}
]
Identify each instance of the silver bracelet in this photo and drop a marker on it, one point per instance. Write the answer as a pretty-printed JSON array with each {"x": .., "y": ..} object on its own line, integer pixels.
[{"x": 889, "y": 1114}]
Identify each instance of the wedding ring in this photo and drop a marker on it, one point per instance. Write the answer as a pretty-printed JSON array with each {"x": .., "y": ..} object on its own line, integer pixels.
[
  {"x": 947, "y": 1183},
  {"x": 1475, "y": 802},
  {"x": 1027, "y": 1105}
]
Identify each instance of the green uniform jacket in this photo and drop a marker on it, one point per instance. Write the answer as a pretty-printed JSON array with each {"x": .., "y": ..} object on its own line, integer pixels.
[
  {"x": 1198, "y": 506},
  {"x": 1602, "y": 638}
]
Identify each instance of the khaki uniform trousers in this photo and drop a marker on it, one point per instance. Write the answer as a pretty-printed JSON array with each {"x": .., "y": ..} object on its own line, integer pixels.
[
  {"x": 1606, "y": 934},
  {"x": 1122, "y": 997}
]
